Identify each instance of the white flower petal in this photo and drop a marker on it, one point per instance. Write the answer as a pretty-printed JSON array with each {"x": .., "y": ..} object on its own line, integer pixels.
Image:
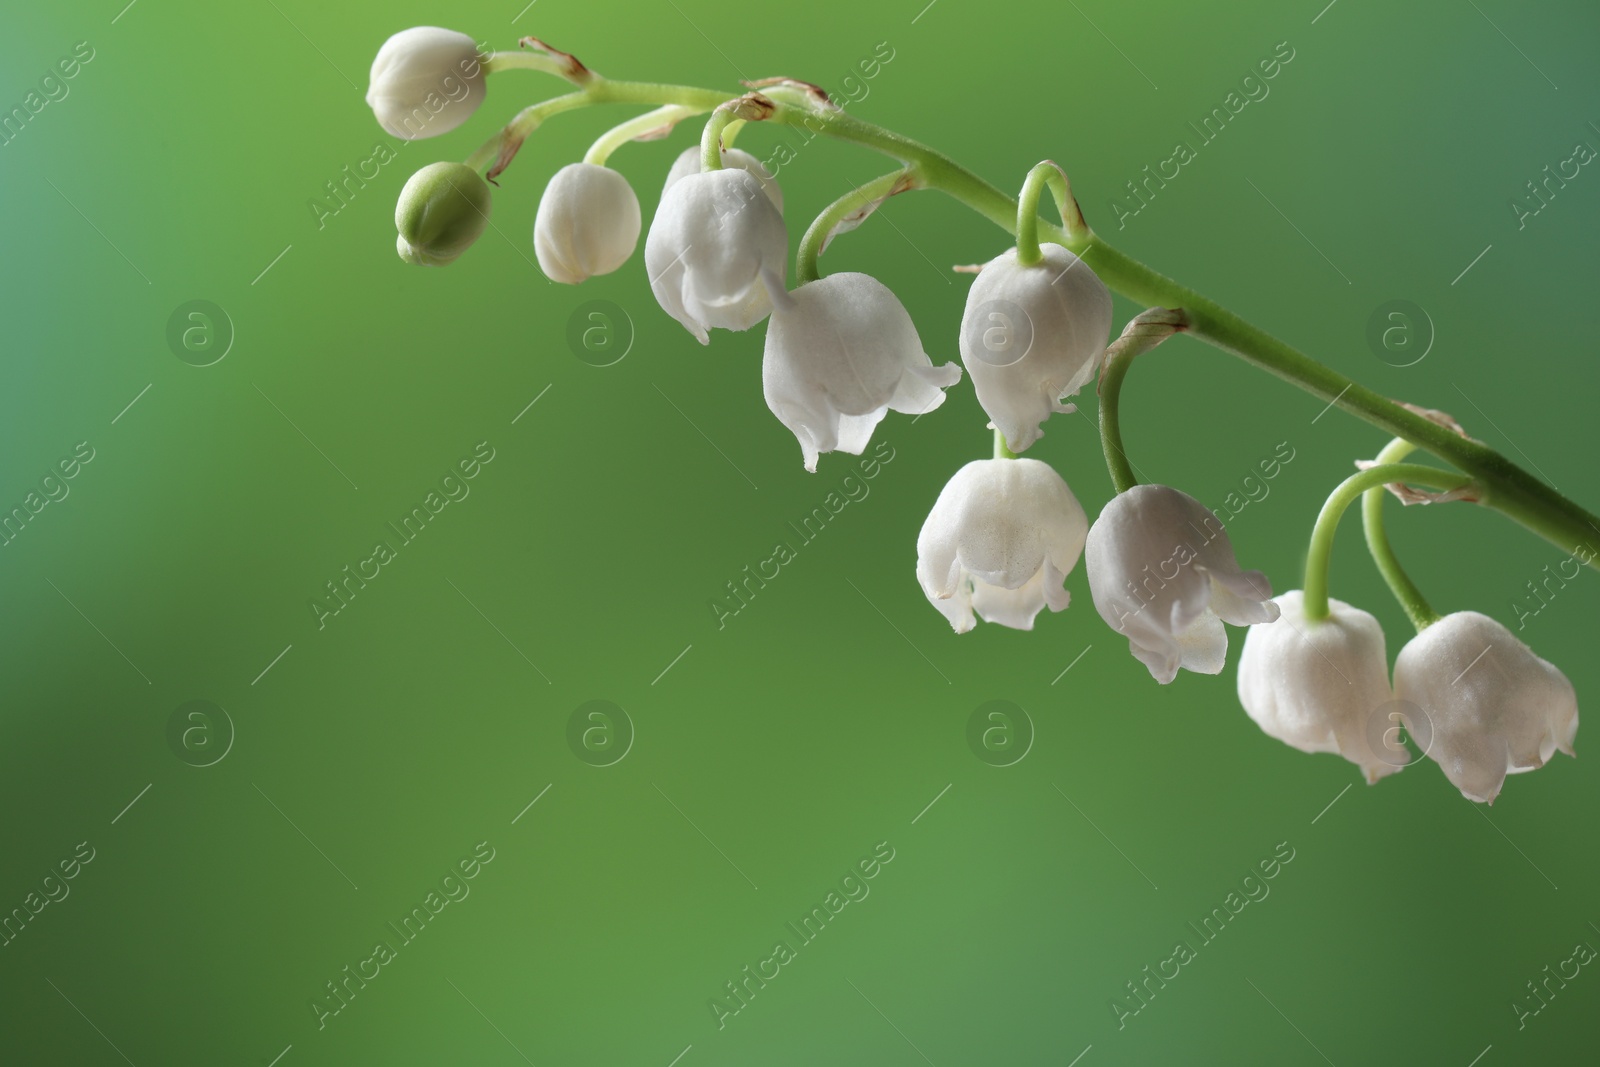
[{"x": 1015, "y": 608}]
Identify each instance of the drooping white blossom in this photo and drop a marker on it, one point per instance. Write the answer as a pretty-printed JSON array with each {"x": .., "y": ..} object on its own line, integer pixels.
[
  {"x": 1322, "y": 685},
  {"x": 1032, "y": 335},
  {"x": 1162, "y": 571},
  {"x": 426, "y": 81},
  {"x": 1491, "y": 706},
  {"x": 841, "y": 352},
  {"x": 1000, "y": 541},
  {"x": 711, "y": 239},
  {"x": 587, "y": 223}
]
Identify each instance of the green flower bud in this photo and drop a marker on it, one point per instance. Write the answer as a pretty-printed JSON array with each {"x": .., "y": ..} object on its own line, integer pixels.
[{"x": 442, "y": 210}]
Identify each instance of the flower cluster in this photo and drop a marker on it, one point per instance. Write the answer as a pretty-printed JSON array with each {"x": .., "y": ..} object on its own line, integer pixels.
[{"x": 841, "y": 352}]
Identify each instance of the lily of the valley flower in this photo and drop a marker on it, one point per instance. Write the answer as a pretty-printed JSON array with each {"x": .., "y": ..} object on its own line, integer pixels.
[
  {"x": 1317, "y": 684},
  {"x": 842, "y": 351},
  {"x": 1494, "y": 708},
  {"x": 426, "y": 81},
  {"x": 1032, "y": 335},
  {"x": 711, "y": 239},
  {"x": 441, "y": 211},
  {"x": 1000, "y": 540},
  {"x": 1162, "y": 571},
  {"x": 587, "y": 224},
  {"x": 688, "y": 162}
]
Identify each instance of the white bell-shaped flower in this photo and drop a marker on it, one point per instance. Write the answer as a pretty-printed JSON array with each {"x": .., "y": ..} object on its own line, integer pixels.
[
  {"x": 842, "y": 351},
  {"x": 688, "y": 162},
  {"x": 711, "y": 239},
  {"x": 426, "y": 81},
  {"x": 1162, "y": 571},
  {"x": 1322, "y": 685},
  {"x": 587, "y": 224},
  {"x": 1491, "y": 706},
  {"x": 1000, "y": 540},
  {"x": 1032, "y": 335}
]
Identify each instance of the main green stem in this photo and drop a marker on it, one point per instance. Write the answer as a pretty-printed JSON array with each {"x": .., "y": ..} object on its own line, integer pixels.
[
  {"x": 1416, "y": 606},
  {"x": 1321, "y": 551},
  {"x": 1515, "y": 492}
]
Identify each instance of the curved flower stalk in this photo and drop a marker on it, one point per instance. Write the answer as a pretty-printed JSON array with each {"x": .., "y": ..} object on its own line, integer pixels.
[
  {"x": 1001, "y": 540},
  {"x": 1162, "y": 571},
  {"x": 841, "y": 353}
]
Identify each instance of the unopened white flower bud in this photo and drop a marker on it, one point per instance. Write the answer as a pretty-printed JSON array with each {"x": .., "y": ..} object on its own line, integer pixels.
[
  {"x": 587, "y": 224},
  {"x": 426, "y": 81}
]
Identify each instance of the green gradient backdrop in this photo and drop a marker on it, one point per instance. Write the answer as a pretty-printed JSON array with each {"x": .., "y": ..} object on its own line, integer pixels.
[{"x": 822, "y": 719}]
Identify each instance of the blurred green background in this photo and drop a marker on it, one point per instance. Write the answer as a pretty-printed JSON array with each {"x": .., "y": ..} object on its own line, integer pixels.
[{"x": 360, "y": 765}]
